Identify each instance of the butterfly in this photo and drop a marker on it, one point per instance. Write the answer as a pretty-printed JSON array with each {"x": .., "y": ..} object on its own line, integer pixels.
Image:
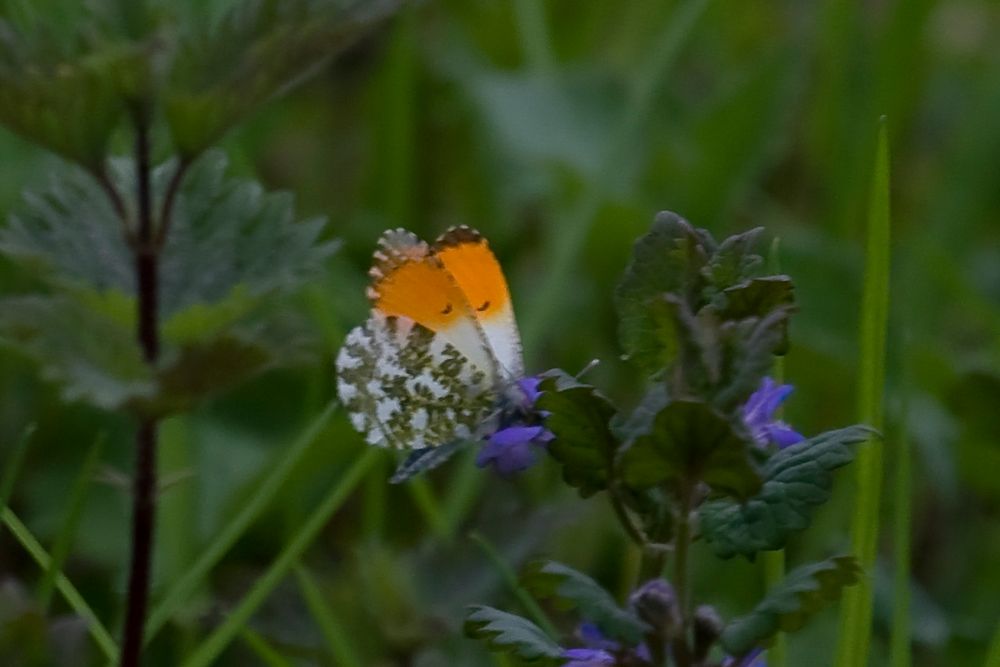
[{"x": 440, "y": 356}]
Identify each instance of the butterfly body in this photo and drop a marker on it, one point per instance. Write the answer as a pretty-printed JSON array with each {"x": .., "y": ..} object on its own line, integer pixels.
[{"x": 439, "y": 356}]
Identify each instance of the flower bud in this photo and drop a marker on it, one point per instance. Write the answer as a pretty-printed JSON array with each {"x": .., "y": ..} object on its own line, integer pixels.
[
  {"x": 708, "y": 626},
  {"x": 656, "y": 603}
]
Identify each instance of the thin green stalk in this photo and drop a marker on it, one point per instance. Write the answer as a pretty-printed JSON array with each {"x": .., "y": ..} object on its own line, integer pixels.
[
  {"x": 463, "y": 490},
  {"x": 423, "y": 495},
  {"x": 71, "y": 521},
  {"x": 69, "y": 592},
  {"x": 900, "y": 652},
  {"x": 263, "y": 650},
  {"x": 337, "y": 641},
  {"x": 12, "y": 467},
  {"x": 993, "y": 653},
  {"x": 568, "y": 238},
  {"x": 181, "y": 591},
  {"x": 682, "y": 572},
  {"x": 856, "y": 610},
  {"x": 507, "y": 574},
  {"x": 210, "y": 649},
  {"x": 534, "y": 34}
]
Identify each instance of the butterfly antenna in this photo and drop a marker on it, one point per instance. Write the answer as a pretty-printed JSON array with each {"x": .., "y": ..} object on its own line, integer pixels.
[{"x": 586, "y": 369}]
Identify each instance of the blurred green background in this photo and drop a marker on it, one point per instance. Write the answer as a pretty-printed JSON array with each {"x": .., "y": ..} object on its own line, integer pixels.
[{"x": 558, "y": 129}]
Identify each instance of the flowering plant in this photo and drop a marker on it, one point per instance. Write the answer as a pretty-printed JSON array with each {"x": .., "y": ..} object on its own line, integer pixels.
[{"x": 704, "y": 456}]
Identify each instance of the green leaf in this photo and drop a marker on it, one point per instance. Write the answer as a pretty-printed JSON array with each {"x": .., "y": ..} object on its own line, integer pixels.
[
  {"x": 507, "y": 633},
  {"x": 796, "y": 480},
  {"x": 746, "y": 348},
  {"x": 66, "y": 99},
  {"x": 225, "y": 69},
  {"x": 757, "y": 297},
  {"x": 579, "y": 418},
  {"x": 689, "y": 440},
  {"x": 90, "y": 355},
  {"x": 734, "y": 261},
  {"x": 576, "y": 591},
  {"x": 669, "y": 258},
  {"x": 803, "y": 593}
]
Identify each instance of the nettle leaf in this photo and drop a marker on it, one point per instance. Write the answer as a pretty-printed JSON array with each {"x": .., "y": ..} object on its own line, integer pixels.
[
  {"x": 803, "y": 593},
  {"x": 63, "y": 94},
  {"x": 588, "y": 599},
  {"x": 579, "y": 417},
  {"x": 508, "y": 633},
  {"x": 690, "y": 440},
  {"x": 232, "y": 249},
  {"x": 258, "y": 50},
  {"x": 230, "y": 234},
  {"x": 91, "y": 355},
  {"x": 669, "y": 258},
  {"x": 796, "y": 480}
]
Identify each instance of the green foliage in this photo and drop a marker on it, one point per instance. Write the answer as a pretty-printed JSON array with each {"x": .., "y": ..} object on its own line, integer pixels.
[
  {"x": 508, "y": 633},
  {"x": 576, "y": 591},
  {"x": 233, "y": 249},
  {"x": 700, "y": 312},
  {"x": 803, "y": 593},
  {"x": 687, "y": 441},
  {"x": 579, "y": 418},
  {"x": 797, "y": 479},
  {"x": 257, "y": 50}
]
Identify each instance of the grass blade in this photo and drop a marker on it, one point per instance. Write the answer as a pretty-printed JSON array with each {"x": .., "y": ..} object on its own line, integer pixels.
[
  {"x": 72, "y": 596},
  {"x": 216, "y": 643},
  {"x": 423, "y": 495},
  {"x": 856, "y": 609},
  {"x": 257, "y": 503},
  {"x": 67, "y": 532},
  {"x": 532, "y": 607},
  {"x": 339, "y": 645},
  {"x": 13, "y": 465},
  {"x": 267, "y": 654},
  {"x": 993, "y": 653}
]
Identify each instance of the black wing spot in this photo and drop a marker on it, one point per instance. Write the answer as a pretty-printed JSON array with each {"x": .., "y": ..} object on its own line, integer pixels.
[
  {"x": 447, "y": 309},
  {"x": 486, "y": 304}
]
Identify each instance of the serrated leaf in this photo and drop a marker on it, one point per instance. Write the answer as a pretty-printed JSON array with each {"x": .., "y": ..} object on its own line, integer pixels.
[
  {"x": 734, "y": 261},
  {"x": 669, "y": 258},
  {"x": 65, "y": 99},
  {"x": 796, "y": 480},
  {"x": 508, "y": 633},
  {"x": 758, "y": 297},
  {"x": 803, "y": 593},
  {"x": 422, "y": 460},
  {"x": 579, "y": 418},
  {"x": 746, "y": 349},
  {"x": 91, "y": 356},
  {"x": 226, "y": 68},
  {"x": 689, "y": 440},
  {"x": 574, "y": 590}
]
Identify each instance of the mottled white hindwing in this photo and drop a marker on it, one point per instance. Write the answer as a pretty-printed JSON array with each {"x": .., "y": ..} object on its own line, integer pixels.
[{"x": 405, "y": 387}]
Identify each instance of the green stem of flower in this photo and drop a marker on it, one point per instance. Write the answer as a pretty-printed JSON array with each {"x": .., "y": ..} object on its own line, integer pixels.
[{"x": 682, "y": 541}]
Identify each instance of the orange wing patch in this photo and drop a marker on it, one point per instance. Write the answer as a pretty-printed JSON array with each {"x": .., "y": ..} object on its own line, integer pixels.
[
  {"x": 422, "y": 291},
  {"x": 467, "y": 257}
]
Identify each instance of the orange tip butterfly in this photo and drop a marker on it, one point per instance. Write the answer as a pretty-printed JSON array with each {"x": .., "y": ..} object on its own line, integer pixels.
[{"x": 440, "y": 353}]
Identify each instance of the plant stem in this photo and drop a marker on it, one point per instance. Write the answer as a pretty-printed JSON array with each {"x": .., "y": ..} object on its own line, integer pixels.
[
  {"x": 144, "y": 479},
  {"x": 682, "y": 540}
]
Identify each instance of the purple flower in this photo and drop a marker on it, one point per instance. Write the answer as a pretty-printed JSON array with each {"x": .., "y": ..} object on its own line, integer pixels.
[
  {"x": 514, "y": 448},
  {"x": 758, "y": 415},
  {"x": 518, "y": 445},
  {"x": 754, "y": 658},
  {"x": 587, "y": 657}
]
